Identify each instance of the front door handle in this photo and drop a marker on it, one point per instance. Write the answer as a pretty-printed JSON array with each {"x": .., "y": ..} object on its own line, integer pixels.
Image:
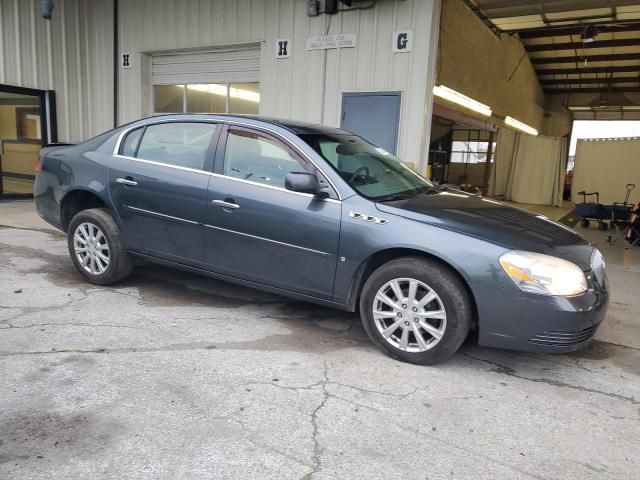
[
  {"x": 225, "y": 205},
  {"x": 127, "y": 181}
]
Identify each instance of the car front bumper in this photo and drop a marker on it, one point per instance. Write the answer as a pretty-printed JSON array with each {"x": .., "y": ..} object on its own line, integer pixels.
[{"x": 512, "y": 319}]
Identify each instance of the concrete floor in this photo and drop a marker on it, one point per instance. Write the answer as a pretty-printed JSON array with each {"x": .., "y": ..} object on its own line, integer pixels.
[{"x": 171, "y": 375}]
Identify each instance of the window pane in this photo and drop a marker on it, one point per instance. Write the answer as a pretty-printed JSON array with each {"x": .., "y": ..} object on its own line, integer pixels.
[
  {"x": 181, "y": 144},
  {"x": 461, "y": 135},
  {"x": 207, "y": 98},
  {"x": 457, "y": 157},
  {"x": 20, "y": 141},
  {"x": 475, "y": 146},
  {"x": 460, "y": 146},
  {"x": 130, "y": 143},
  {"x": 244, "y": 98},
  {"x": 28, "y": 124},
  {"x": 250, "y": 156},
  {"x": 168, "y": 98}
]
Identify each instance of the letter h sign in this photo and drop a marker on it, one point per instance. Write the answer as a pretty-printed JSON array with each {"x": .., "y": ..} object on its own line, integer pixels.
[{"x": 283, "y": 46}]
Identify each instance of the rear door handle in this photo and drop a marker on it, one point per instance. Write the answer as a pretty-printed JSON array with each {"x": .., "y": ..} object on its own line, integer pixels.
[
  {"x": 127, "y": 181},
  {"x": 223, "y": 204}
]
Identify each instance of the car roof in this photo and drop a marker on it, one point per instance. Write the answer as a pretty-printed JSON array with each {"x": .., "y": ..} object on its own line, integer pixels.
[{"x": 294, "y": 126}]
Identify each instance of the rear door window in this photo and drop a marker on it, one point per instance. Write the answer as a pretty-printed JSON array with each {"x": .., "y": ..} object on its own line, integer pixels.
[
  {"x": 179, "y": 144},
  {"x": 131, "y": 142}
]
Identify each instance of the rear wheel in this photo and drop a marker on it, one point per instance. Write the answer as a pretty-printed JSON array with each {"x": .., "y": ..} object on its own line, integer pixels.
[
  {"x": 585, "y": 223},
  {"x": 94, "y": 243},
  {"x": 416, "y": 310}
]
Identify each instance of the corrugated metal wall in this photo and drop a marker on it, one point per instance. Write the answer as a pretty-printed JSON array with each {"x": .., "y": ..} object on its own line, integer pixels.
[
  {"x": 306, "y": 86},
  {"x": 72, "y": 54}
]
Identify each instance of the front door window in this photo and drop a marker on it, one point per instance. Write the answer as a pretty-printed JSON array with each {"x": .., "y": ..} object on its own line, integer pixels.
[{"x": 258, "y": 158}]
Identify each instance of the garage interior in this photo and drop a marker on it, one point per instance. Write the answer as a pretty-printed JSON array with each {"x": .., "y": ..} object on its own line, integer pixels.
[
  {"x": 171, "y": 374},
  {"x": 562, "y": 61}
]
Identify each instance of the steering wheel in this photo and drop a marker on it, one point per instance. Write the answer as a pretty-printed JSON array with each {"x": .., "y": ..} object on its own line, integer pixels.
[{"x": 355, "y": 174}]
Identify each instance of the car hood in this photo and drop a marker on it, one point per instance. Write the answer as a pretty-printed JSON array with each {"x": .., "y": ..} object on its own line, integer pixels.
[{"x": 496, "y": 222}]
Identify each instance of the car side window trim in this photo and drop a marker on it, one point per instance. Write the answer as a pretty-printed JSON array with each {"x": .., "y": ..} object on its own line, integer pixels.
[
  {"x": 287, "y": 146},
  {"x": 209, "y": 155},
  {"x": 144, "y": 130},
  {"x": 218, "y": 158}
]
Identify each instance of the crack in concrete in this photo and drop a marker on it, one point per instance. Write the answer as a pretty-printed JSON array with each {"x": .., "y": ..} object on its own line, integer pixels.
[
  {"x": 25, "y": 311},
  {"x": 316, "y": 458},
  {"x": 376, "y": 392},
  {"x": 351, "y": 402},
  {"x": 328, "y": 383},
  {"x": 504, "y": 370},
  {"x": 96, "y": 325},
  {"x": 178, "y": 347}
]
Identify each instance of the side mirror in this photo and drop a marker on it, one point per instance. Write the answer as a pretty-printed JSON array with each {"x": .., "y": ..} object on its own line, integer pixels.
[{"x": 304, "y": 182}]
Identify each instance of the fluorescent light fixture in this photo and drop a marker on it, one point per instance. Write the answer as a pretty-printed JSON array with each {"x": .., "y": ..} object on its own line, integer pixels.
[
  {"x": 512, "y": 122},
  {"x": 218, "y": 89},
  {"x": 460, "y": 99}
]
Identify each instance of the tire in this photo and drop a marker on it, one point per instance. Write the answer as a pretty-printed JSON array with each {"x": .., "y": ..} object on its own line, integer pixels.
[
  {"x": 89, "y": 224},
  {"x": 585, "y": 223},
  {"x": 431, "y": 277}
]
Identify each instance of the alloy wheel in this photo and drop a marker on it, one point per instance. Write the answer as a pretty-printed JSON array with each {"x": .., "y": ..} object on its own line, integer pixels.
[
  {"x": 91, "y": 248},
  {"x": 409, "y": 315}
]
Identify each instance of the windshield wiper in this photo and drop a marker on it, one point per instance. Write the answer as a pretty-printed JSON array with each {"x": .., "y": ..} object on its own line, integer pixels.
[
  {"x": 406, "y": 195},
  {"x": 393, "y": 198}
]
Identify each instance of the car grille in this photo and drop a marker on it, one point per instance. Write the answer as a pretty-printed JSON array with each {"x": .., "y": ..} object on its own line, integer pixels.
[{"x": 563, "y": 339}]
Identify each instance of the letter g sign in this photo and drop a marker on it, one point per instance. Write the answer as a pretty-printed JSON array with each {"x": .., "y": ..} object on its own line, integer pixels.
[{"x": 402, "y": 41}]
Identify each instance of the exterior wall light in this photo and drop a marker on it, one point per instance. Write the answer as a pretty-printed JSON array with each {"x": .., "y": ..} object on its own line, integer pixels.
[
  {"x": 460, "y": 99},
  {"x": 523, "y": 127}
]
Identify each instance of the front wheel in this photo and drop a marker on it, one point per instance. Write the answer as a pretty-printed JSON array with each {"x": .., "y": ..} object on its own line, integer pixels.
[
  {"x": 416, "y": 310},
  {"x": 96, "y": 249}
]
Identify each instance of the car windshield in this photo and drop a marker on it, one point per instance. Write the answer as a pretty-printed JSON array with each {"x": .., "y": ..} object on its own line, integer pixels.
[{"x": 373, "y": 172}]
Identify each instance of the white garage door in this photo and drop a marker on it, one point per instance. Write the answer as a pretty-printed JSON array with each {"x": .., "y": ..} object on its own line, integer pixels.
[
  {"x": 220, "y": 81},
  {"x": 223, "y": 66}
]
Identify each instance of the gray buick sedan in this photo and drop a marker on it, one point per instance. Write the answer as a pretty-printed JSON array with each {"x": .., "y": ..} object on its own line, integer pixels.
[{"x": 321, "y": 215}]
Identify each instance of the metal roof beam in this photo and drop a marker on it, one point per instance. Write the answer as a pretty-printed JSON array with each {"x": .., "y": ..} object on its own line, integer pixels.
[
  {"x": 550, "y": 47},
  {"x": 619, "y": 57},
  {"x": 578, "y": 71},
  {"x": 553, "y": 91},
  {"x": 591, "y": 81},
  {"x": 577, "y": 30}
]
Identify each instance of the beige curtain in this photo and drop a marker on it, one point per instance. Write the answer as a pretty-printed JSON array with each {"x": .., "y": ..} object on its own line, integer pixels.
[
  {"x": 529, "y": 169},
  {"x": 607, "y": 166},
  {"x": 506, "y": 145}
]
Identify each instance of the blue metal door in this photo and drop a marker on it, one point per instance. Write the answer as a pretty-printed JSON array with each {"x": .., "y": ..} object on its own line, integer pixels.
[{"x": 373, "y": 116}]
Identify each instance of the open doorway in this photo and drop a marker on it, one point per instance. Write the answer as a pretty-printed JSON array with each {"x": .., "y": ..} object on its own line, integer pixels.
[
  {"x": 25, "y": 126},
  {"x": 461, "y": 150},
  {"x": 597, "y": 129}
]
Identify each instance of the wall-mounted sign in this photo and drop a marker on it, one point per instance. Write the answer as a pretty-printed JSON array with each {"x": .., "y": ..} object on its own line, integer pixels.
[
  {"x": 402, "y": 41},
  {"x": 283, "y": 46},
  {"x": 324, "y": 42},
  {"x": 125, "y": 60}
]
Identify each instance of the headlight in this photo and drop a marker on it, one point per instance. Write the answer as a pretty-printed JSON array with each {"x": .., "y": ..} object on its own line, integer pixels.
[{"x": 543, "y": 274}]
